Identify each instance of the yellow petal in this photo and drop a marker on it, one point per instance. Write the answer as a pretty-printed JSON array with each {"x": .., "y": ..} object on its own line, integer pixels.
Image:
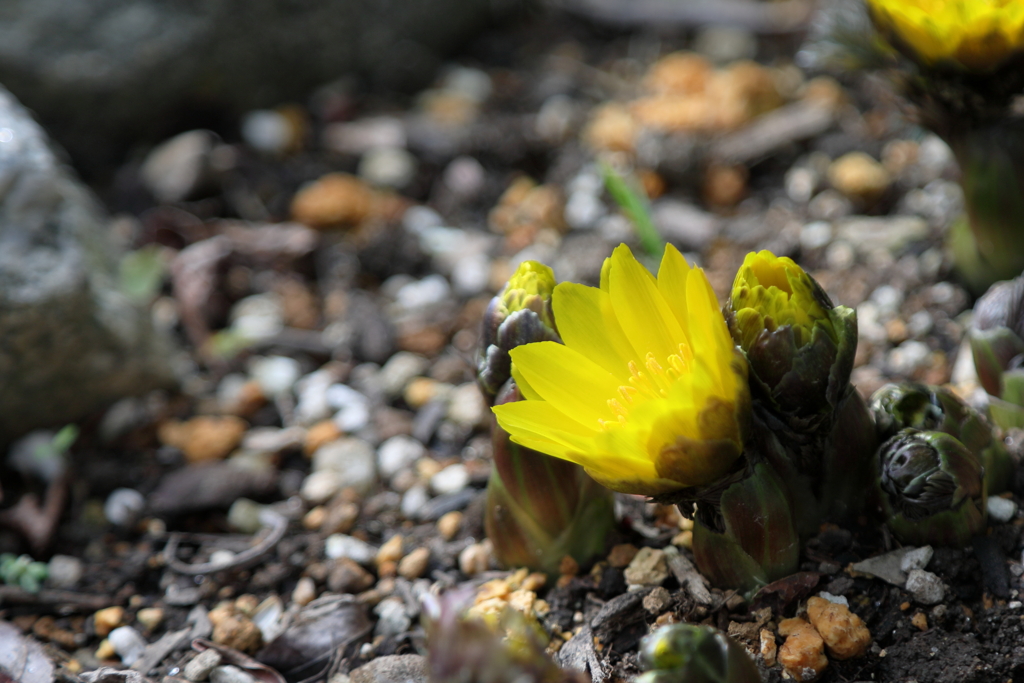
[
  {"x": 569, "y": 381},
  {"x": 646, "y": 319},
  {"x": 672, "y": 276},
  {"x": 588, "y": 325}
]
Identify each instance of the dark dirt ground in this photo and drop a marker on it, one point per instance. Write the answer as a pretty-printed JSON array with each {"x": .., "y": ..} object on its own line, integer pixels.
[{"x": 350, "y": 277}]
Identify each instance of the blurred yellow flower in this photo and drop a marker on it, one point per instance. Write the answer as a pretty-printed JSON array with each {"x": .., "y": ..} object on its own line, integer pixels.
[
  {"x": 975, "y": 34},
  {"x": 772, "y": 291},
  {"x": 648, "y": 393}
]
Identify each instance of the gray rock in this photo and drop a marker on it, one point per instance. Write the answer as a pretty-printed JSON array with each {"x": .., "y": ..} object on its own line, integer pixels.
[
  {"x": 684, "y": 224},
  {"x": 199, "y": 668},
  {"x": 178, "y": 168},
  {"x": 116, "y": 69},
  {"x": 352, "y": 459},
  {"x": 64, "y": 571},
  {"x": 392, "y": 669},
  {"x": 397, "y": 453},
  {"x": 890, "y": 566},
  {"x": 392, "y": 617},
  {"x": 925, "y": 587},
  {"x": 72, "y": 341},
  {"x": 231, "y": 674}
]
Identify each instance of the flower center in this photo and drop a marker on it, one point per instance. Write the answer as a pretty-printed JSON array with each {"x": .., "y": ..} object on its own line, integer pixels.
[{"x": 653, "y": 381}]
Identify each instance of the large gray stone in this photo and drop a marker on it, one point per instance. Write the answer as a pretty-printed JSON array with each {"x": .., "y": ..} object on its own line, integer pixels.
[
  {"x": 70, "y": 342},
  {"x": 100, "y": 69}
]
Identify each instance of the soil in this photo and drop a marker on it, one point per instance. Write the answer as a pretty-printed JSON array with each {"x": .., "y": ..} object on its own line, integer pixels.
[{"x": 912, "y": 321}]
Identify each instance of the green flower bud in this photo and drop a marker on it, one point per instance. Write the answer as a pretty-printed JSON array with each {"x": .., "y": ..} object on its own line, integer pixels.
[
  {"x": 539, "y": 508},
  {"x": 799, "y": 345},
  {"x": 933, "y": 488},
  {"x": 465, "y": 649},
  {"x": 694, "y": 654},
  {"x": 519, "y": 315},
  {"x": 931, "y": 408},
  {"x": 997, "y": 343},
  {"x": 744, "y": 534}
]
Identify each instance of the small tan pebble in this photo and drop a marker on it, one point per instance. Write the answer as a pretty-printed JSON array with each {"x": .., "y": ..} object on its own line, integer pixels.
[
  {"x": 299, "y": 306},
  {"x": 341, "y": 517},
  {"x": 679, "y": 73},
  {"x": 428, "y": 467},
  {"x": 495, "y": 588},
  {"x": 413, "y": 565},
  {"x": 233, "y": 629},
  {"x": 859, "y": 176},
  {"x": 247, "y": 604},
  {"x": 305, "y": 591},
  {"x": 666, "y": 619},
  {"x": 725, "y": 186},
  {"x": 735, "y": 601},
  {"x": 568, "y": 566},
  {"x": 105, "y": 650},
  {"x": 106, "y": 620},
  {"x": 803, "y": 653},
  {"x": 654, "y": 187},
  {"x": 896, "y": 331},
  {"x": 421, "y": 390},
  {"x": 136, "y": 601},
  {"x": 204, "y": 438},
  {"x": 657, "y": 600},
  {"x": 611, "y": 128},
  {"x": 675, "y": 113},
  {"x": 428, "y": 340},
  {"x": 475, "y": 559},
  {"x": 534, "y": 581},
  {"x": 347, "y": 576},
  {"x": 319, "y": 434},
  {"x": 685, "y": 523},
  {"x": 825, "y": 91},
  {"x": 904, "y": 606},
  {"x": 314, "y": 518},
  {"x": 388, "y": 568},
  {"x": 46, "y": 628},
  {"x": 449, "y": 524},
  {"x": 249, "y": 399},
  {"x": 898, "y": 155},
  {"x": 920, "y": 621},
  {"x": 390, "y": 551},
  {"x": 150, "y": 617},
  {"x": 334, "y": 200},
  {"x": 684, "y": 539},
  {"x": 541, "y": 608},
  {"x": 648, "y": 568},
  {"x": 622, "y": 554},
  {"x": 844, "y": 632},
  {"x": 768, "y": 647},
  {"x": 522, "y": 601}
]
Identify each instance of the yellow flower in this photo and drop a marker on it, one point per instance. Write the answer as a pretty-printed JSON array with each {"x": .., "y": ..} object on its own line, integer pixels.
[
  {"x": 648, "y": 393},
  {"x": 770, "y": 292},
  {"x": 975, "y": 34}
]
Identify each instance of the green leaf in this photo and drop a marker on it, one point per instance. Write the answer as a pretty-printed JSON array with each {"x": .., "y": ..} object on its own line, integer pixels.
[
  {"x": 141, "y": 273},
  {"x": 634, "y": 203}
]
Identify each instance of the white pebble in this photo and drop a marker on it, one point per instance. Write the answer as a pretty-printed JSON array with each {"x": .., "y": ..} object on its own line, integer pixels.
[
  {"x": 353, "y": 408},
  {"x": 393, "y": 618},
  {"x": 276, "y": 375},
  {"x": 388, "y": 167},
  {"x": 925, "y": 587},
  {"x": 257, "y": 317},
  {"x": 123, "y": 506},
  {"x": 583, "y": 210},
  {"x": 267, "y": 131},
  {"x": 353, "y": 460},
  {"x": 127, "y": 643},
  {"x": 815, "y": 235},
  {"x": 837, "y": 599},
  {"x": 429, "y": 291},
  {"x": 398, "y": 371},
  {"x": 319, "y": 487},
  {"x": 338, "y": 546},
  {"x": 464, "y": 176},
  {"x": 1001, "y": 510},
  {"x": 312, "y": 405},
  {"x": 466, "y": 406},
  {"x": 917, "y": 558},
  {"x": 906, "y": 358},
  {"x": 397, "y": 453},
  {"x": 64, "y": 571},
  {"x": 472, "y": 274},
  {"x": 414, "y": 500},
  {"x": 451, "y": 479},
  {"x": 416, "y": 219}
]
